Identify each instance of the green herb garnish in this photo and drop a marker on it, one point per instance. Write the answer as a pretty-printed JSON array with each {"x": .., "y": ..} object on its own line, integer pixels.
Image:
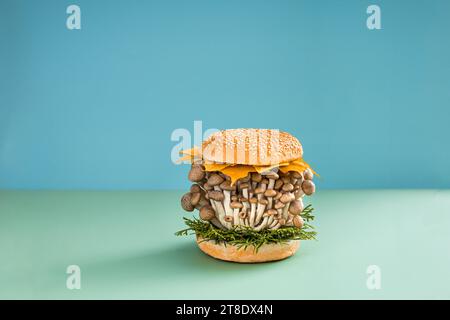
[{"x": 244, "y": 237}]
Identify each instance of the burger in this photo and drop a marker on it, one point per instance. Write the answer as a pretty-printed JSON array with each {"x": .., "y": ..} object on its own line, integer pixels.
[{"x": 248, "y": 186}]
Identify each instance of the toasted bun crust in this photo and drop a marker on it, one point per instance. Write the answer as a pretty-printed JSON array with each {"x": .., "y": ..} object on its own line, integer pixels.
[
  {"x": 256, "y": 147},
  {"x": 267, "y": 252}
]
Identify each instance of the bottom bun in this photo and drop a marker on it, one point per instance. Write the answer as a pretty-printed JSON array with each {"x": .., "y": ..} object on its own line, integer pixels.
[{"x": 267, "y": 252}]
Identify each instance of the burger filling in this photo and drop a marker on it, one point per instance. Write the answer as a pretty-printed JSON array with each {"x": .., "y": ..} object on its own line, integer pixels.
[{"x": 250, "y": 197}]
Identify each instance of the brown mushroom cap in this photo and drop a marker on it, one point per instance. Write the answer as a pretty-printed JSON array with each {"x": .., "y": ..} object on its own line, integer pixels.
[
  {"x": 223, "y": 175},
  {"x": 215, "y": 179},
  {"x": 278, "y": 184},
  {"x": 243, "y": 199},
  {"x": 196, "y": 174},
  {"x": 296, "y": 207},
  {"x": 226, "y": 185},
  {"x": 272, "y": 175},
  {"x": 256, "y": 177},
  {"x": 298, "y": 194},
  {"x": 253, "y": 200},
  {"x": 272, "y": 212},
  {"x": 298, "y": 221},
  {"x": 263, "y": 202},
  {"x": 308, "y": 187},
  {"x": 195, "y": 198},
  {"x": 270, "y": 193},
  {"x": 234, "y": 198},
  {"x": 265, "y": 181},
  {"x": 288, "y": 187},
  {"x": 207, "y": 187},
  {"x": 186, "y": 202},
  {"x": 236, "y": 205},
  {"x": 296, "y": 175},
  {"x": 216, "y": 195},
  {"x": 195, "y": 188},
  {"x": 278, "y": 196},
  {"x": 279, "y": 205},
  {"x": 203, "y": 201},
  {"x": 308, "y": 174},
  {"x": 245, "y": 179},
  {"x": 207, "y": 213},
  {"x": 259, "y": 190},
  {"x": 228, "y": 218},
  {"x": 287, "y": 197},
  {"x": 282, "y": 221},
  {"x": 286, "y": 179},
  {"x": 243, "y": 185}
]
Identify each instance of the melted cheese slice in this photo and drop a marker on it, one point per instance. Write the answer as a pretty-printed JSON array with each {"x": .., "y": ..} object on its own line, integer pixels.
[
  {"x": 215, "y": 166},
  {"x": 298, "y": 165},
  {"x": 236, "y": 172}
]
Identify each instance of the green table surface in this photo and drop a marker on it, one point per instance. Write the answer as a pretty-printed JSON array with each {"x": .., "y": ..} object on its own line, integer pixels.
[{"x": 124, "y": 244}]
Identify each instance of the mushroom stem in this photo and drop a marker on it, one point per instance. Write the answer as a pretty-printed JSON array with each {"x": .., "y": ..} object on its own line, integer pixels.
[
  {"x": 289, "y": 222},
  {"x": 217, "y": 223},
  {"x": 243, "y": 217},
  {"x": 227, "y": 201},
  {"x": 276, "y": 226},
  {"x": 259, "y": 213},
  {"x": 263, "y": 224},
  {"x": 220, "y": 213},
  {"x": 286, "y": 210},
  {"x": 245, "y": 193},
  {"x": 252, "y": 214},
  {"x": 225, "y": 209},
  {"x": 271, "y": 184},
  {"x": 280, "y": 212},
  {"x": 270, "y": 220},
  {"x": 236, "y": 218},
  {"x": 274, "y": 223},
  {"x": 246, "y": 206}
]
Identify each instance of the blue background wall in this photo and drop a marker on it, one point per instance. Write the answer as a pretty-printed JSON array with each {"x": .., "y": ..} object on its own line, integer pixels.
[{"x": 95, "y": 108}]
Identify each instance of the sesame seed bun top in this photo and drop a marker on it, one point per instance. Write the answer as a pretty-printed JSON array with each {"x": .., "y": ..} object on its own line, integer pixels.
[{"x": 257, "y": 147}]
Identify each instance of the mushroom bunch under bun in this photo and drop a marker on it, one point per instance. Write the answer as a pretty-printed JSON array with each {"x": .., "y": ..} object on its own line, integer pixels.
[{"x": 249, "y": 178}]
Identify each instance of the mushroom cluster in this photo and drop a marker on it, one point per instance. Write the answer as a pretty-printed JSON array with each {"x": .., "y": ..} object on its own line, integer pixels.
[{"x": 259, "y": 201}]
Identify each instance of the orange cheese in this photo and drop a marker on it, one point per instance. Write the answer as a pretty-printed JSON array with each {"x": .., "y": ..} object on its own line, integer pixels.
[
  {"x": 215, "y": 166},
  {"x": 236, "y": 172},
  {"x": 298, "y": 165},
  {"x": 293, "y": 167}
]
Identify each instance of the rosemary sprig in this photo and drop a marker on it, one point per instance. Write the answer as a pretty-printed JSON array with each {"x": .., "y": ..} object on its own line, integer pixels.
[{"x": 244, "y": 237}]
